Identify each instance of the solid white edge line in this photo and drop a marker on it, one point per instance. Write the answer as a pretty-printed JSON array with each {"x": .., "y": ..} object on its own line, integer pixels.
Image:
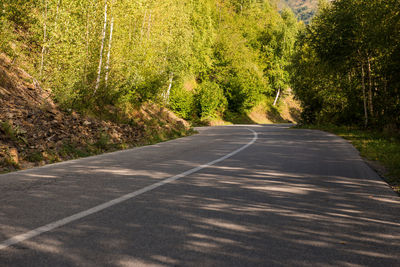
[{"x": 51, "y": 226}]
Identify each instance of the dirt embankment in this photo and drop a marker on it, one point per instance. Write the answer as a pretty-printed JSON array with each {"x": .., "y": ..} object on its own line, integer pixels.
[
  {"x": 33, "y": 131},
  {"x": 287, "y": 111}
]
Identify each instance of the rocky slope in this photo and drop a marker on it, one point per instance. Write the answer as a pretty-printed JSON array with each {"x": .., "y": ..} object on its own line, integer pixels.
[{"x": 34, "y": 131}]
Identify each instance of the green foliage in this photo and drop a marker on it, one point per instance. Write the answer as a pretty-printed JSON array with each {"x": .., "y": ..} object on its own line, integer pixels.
[
  {"x": 8, "y": 130},
  {"x": 344, "y": 67},
  {"x": 210, "y": 100},
  {"x": 6, "y": 37},
  {"x": 304, "y": 10},
  {"x": 238, "y": 48},
  {"x": 19, "y": 12},
  {"x": 103, "y": 141},
  {"x": 182, "y": 102},
  {"x": 73, "y": 151},
  {"x": 35, "y": 156},
  {"x": 14, "y": 133}
]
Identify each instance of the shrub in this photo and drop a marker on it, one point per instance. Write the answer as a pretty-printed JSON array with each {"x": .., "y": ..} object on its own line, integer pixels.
[
  {"x": 182, "y": 102},
  {"x": 211, "y": 100}
]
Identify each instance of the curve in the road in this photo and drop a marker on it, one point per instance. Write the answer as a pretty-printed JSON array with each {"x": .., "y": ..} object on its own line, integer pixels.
[{"x": 53, "y": 225}]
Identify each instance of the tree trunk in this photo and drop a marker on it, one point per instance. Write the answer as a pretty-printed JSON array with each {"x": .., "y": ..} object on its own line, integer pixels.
[
  {"x": 169, "y": 88},
  {"x": 56, "y": 20},
  {"x": 364, "y": 95},
  {"x": 87, "y": 42},
  {"x": 370, "y": 96},
  {"x": 44, "y": 38},
  {"x": 101, "y": 49},
  {"x": 277, "y": 96},
  {"x": 109, "y": 50}
]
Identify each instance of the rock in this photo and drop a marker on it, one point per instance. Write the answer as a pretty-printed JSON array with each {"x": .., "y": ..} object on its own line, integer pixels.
[
  {"x": 13, "y": 153},
  {"x": 53, "y": 111}
]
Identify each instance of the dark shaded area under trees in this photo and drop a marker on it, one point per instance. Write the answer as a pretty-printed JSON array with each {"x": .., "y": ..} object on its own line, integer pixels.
[{"x": 346, "y": 68}]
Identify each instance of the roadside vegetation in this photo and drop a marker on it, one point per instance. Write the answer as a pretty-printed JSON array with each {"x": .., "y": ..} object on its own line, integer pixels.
[
  {"x": 345, "y": 72},
  {"x": 79, "y": 78},
  {"x": 202, "y": 59},
  {"x": 345, "y": 69}
]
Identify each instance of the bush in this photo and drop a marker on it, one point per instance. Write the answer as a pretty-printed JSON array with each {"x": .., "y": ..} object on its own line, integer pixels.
[
  {"x": 182, "y": 102},
  {"x": 211, "y": 100},
  {"x": 6, "y": 36}
]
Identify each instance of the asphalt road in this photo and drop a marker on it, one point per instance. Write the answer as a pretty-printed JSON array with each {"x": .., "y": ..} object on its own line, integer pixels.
[{"x": 228, "y": 196}]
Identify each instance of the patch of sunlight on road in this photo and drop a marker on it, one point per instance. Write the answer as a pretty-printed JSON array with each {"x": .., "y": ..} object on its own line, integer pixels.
[
  {"x": 214, "y": 239},
  {"x": 133, "y": 262},
  {"x": 40, "y": 175},
  {"x": 285, "y": 189},
  {"x": 227, "y": 225},
  {"x": 130, "y": 172}
]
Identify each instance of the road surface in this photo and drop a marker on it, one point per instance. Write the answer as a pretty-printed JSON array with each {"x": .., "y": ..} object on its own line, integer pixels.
[{"x": 228, "y": 196}]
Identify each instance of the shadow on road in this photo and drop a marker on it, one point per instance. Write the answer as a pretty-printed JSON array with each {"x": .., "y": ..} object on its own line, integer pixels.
[{"x": 298, "y": 198}]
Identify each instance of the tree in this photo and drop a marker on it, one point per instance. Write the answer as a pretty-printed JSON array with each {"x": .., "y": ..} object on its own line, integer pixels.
[
  {"x": 353, "y": 40},
  {"x": 96, "y": 54}
]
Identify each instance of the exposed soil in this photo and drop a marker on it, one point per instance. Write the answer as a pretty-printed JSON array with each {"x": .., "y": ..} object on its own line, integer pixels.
[
  {"x": 288, "y": 111},
  {"x": 34, "y": 131}
]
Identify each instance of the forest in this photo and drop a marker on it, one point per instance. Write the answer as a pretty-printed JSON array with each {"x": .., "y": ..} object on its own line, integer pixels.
[
  {"x": 211, "y": 58},
  {"x": 202, "y": 59},
  {"x": 205, "y": 60},
  {"x": 345, "y": 69}
]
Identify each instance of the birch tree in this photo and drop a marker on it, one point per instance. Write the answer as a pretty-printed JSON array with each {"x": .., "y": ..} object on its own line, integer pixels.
[
  {"x": 109, "y": 50},
  {"x": 44, "y": 37},
  {"x": 354, "y": 44},
  {"x": 103, "y": 37}
]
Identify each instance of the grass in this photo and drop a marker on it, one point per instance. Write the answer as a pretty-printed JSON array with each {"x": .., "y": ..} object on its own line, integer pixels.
[
  {"x": 7, "y": 128},
  {"x": 35, "y": 156},
  {"x": 14, "y": 133},
  {"x": 379, "y": 147},
  {"x": 6, "y": 159}
]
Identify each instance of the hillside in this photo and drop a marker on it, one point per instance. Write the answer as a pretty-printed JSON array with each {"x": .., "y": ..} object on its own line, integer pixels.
[
  {"x": 202, "y": 59},
  {"x": 81, "y": 79},
  {"x": 303, "y": 9},
  {"x": 34, "y": 131}
]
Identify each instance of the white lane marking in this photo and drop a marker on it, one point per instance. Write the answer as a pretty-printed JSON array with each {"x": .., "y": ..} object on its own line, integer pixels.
[{"x": 51, "y": 226}]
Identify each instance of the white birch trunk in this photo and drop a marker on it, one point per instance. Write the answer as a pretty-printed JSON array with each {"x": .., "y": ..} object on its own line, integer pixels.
[
  {"x": 169, "y": 88},
  {"x": 277, "y": 96},
  {"x": 44, "y": 38},
  {"x": 87, "y": 42},
  {"x": 101, "y": 49},
  {"x": 370, "y": 101},
  {"x": 56, "y": 20},
  {"x": 109, "y": 50}
]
